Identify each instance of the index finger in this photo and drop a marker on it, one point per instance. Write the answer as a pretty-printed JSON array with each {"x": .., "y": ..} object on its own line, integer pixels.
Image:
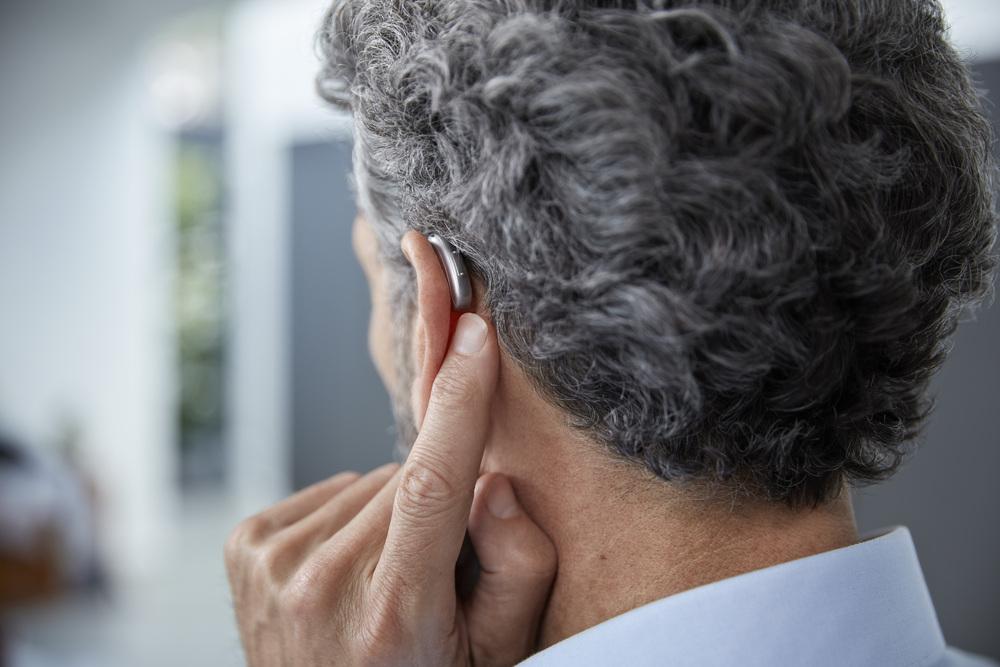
[{"x": 432, "y": 502}]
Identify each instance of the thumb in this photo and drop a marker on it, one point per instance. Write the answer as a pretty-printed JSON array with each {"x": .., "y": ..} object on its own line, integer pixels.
[{"x": 517, "y": 566}]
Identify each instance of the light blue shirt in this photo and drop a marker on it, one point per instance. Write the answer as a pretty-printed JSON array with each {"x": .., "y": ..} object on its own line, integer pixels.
[{"x": 865, "y": 604}]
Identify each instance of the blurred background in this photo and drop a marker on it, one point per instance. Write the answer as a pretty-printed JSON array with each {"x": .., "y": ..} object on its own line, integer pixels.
[{"x": 183, "y": 329}]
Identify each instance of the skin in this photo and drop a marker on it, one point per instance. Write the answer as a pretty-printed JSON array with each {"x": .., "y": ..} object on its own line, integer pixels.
[
  {"x": 580, "y": 538},
  {"x": 360, "y": 570}
]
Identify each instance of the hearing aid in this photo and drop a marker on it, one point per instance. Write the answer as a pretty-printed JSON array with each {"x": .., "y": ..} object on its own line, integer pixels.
[{"x": 454, "y": 269}]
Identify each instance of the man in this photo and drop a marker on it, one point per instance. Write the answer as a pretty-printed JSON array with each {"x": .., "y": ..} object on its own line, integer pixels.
[{"x": 717, "y": 250}]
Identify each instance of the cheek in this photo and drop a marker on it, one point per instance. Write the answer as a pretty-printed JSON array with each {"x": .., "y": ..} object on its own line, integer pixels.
[{"x": 380, "y": 339}]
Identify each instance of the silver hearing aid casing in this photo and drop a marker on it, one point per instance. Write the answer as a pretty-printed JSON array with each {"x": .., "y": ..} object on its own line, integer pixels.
[{"x": 454, "y": 268}]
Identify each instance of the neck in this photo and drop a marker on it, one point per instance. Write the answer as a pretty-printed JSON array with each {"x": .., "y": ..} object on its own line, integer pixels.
[{"x": 625, "y": 538}]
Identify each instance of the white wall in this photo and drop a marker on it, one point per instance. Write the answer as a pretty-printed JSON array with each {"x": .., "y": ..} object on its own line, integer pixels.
[
  {"x": 975, "y": 27},
  {"x": 85, "y": 253},
  {"x": 271, "y": 103}
]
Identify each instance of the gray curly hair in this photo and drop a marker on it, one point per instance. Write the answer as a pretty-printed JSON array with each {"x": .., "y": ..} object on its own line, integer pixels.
[{"x": 729, "y": 239}]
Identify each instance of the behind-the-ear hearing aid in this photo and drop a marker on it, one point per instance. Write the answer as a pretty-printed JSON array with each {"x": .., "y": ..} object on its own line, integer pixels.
[{"x": 454, "y": 268}]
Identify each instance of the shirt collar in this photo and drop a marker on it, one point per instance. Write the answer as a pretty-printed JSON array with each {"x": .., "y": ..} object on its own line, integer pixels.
[{"x": 866, "y": 603}]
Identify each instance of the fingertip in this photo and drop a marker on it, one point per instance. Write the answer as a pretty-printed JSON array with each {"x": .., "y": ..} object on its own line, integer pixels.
[
  {"x": 501, "y": 501},
  {"x": 478, "y": 513},
  {"x": 517, "y": 565},
  {"x": 494, "y": 499},
  {"x": 478, "y": 490},
  {"x": 470, "y": 335}
]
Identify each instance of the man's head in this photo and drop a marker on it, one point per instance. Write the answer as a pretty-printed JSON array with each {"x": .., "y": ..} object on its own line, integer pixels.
[{"x": 730, "y": 240}]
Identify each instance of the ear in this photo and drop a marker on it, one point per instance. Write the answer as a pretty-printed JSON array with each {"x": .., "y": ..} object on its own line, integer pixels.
[{"x": 435, "y": 320}]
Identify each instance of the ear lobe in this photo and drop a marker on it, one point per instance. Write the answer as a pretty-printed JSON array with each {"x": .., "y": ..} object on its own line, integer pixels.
[{"x": 435, "y": 321}]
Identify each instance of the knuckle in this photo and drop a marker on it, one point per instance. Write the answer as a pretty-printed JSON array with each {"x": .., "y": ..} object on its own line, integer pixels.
[
  {"x": 271, "y": 562},
  {"x": 319, "y": 589},
  {"x": 425, "y": 488},
  {"x": 532, "y": 561},
  {"x": 539, "y": 566},
  {"x": 247, "y": 533},
  {"x": 253, "y": 529},
  {"x": 232, "y": 550},
  {"x": 300, "y": 600}
]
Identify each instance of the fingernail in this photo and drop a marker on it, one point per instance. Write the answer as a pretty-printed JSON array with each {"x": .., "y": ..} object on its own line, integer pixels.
[
  {"x": 470, "y": 334},
  {"x": 501, "y": 501}
]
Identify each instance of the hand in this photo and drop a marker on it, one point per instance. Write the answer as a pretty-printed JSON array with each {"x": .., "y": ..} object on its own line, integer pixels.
[{"x": 361, "y": 570}]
